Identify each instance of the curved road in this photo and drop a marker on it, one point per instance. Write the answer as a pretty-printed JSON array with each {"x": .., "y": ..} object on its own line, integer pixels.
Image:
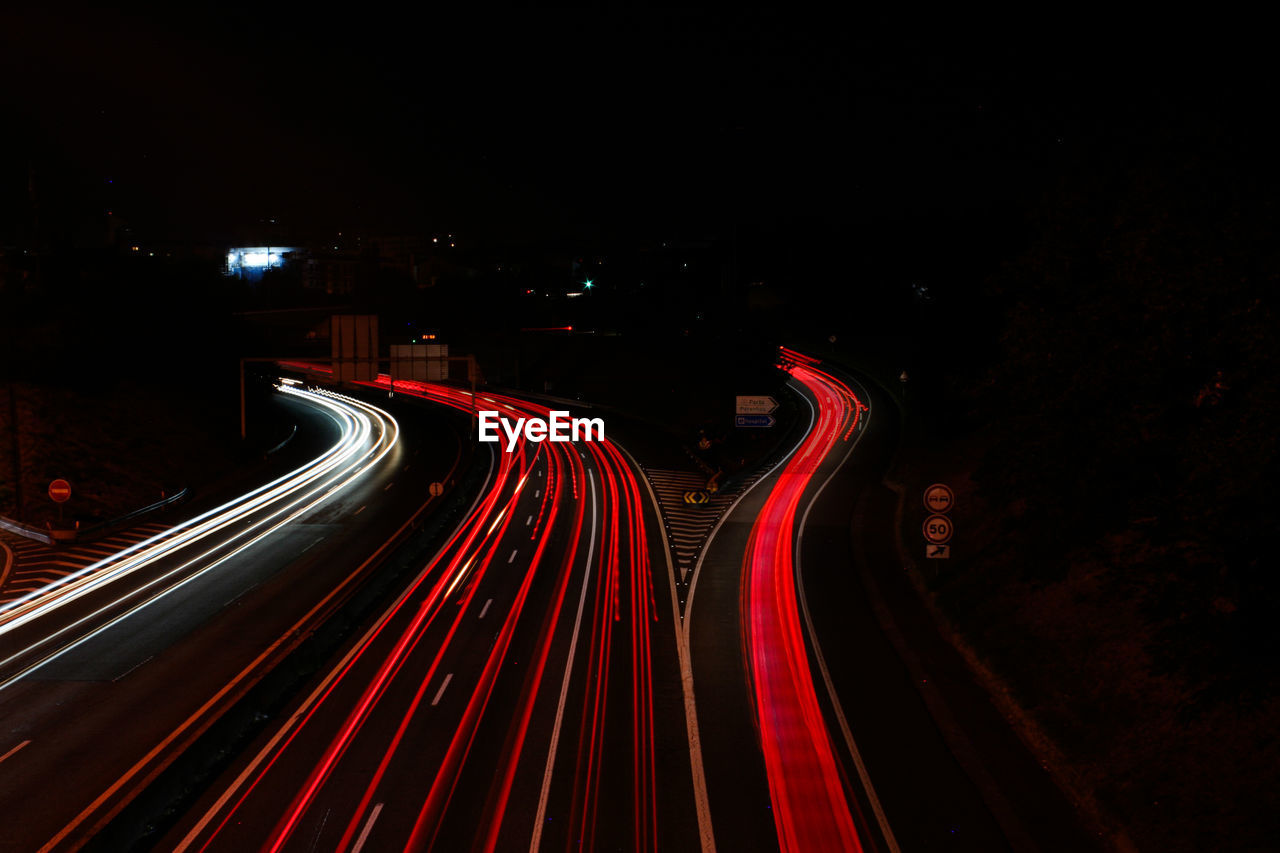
[
  {"x": 522, "y": 693},
  {"x": 110, "y": 675},
  {"x": 534, "y": 684},
  {"x": 779, "y": 615}
]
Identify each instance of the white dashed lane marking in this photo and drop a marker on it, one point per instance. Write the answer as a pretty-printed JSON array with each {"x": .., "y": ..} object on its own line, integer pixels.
[{"x": 440, "y": 692}]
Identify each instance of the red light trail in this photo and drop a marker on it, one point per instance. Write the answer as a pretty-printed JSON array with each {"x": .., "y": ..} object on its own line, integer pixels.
[
  {"x": 580, "y": 479},
  {"x": 811, "y": 808}
]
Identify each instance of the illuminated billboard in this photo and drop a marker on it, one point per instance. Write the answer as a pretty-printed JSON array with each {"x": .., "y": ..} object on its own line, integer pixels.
[{"x": 256, "y": 259}]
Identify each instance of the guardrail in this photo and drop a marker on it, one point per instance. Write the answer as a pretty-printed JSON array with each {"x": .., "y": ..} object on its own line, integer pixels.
[
  {"x": 128, "y": 516},
  {"x": 51, "y": 536},
  {"x": 287, "y": 439},
  {"x": 25, "y": 530}
]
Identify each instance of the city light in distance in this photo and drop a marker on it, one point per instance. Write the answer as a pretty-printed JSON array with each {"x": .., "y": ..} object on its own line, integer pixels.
[{"x": 257, "y": 257}]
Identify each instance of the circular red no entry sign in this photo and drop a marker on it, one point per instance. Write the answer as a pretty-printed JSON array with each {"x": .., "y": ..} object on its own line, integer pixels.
[{"x": 59, "y": 490}]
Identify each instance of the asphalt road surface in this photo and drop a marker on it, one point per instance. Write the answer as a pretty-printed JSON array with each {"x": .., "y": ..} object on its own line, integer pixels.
[
  {"x": 832, "y": 715},
  {"x": 542, "y": 680},
  {"x": 106, "y": 679},
  {"x": 522, "y": 693}
]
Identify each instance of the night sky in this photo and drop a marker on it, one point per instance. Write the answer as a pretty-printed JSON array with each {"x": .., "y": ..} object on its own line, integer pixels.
[{"x": 525, "y": 125}]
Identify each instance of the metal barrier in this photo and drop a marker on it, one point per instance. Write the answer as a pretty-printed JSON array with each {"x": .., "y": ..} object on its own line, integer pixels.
[{"x": 51, "y": 536}]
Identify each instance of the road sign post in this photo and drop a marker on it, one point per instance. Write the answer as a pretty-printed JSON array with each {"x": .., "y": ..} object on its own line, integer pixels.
[
  {"x": 59, "y": 492},
  {"x": 938, "y": 499}
]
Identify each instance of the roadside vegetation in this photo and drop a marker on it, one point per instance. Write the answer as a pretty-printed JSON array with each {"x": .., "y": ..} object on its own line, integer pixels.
[{"x": 1116, "y": 462}]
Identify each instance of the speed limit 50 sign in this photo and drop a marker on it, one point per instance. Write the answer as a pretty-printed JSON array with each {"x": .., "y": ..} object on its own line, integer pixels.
[{"x": 937, "y": 529}]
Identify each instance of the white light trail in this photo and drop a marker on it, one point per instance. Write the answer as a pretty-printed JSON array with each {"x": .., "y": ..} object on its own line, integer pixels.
[{"x": 282, "y": 500}]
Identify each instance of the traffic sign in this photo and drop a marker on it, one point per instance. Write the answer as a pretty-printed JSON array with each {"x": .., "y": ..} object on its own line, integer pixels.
[
  {"x": 754, "y": 420},
  {"x": 59, "y": 490},
  {"x": 436, "y": 489},
  {"x": 696, "y": 497},
  {"x": 937, "y": 552},
  {"x": 939, "y": 498},
  {"x": 756, "y": 405},
  {"x": 937, "y": 529}
]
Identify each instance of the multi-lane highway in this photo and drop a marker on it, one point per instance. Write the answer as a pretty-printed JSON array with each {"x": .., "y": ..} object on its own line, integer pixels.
[
  {"x": 535, "y": 678},
  {"x": 507, "y": 699}
]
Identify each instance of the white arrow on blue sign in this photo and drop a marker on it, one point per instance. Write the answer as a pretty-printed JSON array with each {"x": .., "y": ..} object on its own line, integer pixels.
[{"x": 754, "y": 420}]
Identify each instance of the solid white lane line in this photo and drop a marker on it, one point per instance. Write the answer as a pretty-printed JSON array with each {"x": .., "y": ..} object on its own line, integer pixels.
[
  {"x": 705, "y": 825},
  {"x": 541, "y": 817},
  {"x": 368, "y": 825},
  {"x": 485, "y": 609},
  {"x": 512, "y": 558},
  {"x": 725, "y": 516},
  {"x": 142, "y": 663},
  {"x": 702, "y": 802},
  {"x": 440, "y": 692},
  {"x": 863, "y": 776},
  {"x": 11, "y": 752},
  {"x": 320, "y": 829}
]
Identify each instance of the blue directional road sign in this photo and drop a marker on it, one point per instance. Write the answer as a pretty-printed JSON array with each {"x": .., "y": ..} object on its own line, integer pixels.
[{"x": 754, "y": 420}]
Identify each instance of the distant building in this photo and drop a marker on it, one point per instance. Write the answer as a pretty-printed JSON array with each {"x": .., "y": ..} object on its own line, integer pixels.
[
  {"x": 345, "y": 265},
  {"x": 250, "y": 263},
  {"x": 404, "y": 254},
  {"x": 332, "y": 270}
]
